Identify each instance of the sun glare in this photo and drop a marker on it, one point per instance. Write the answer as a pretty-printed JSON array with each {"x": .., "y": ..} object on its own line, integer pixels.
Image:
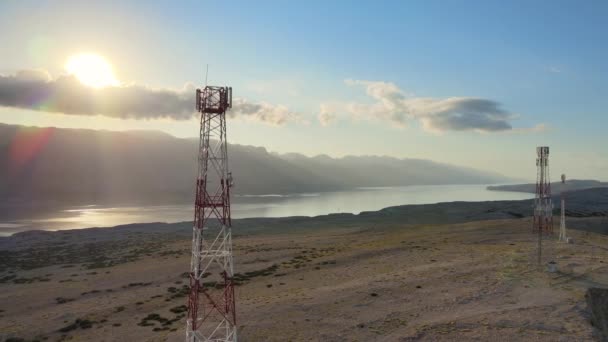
[{"x": 92, "y": 70}]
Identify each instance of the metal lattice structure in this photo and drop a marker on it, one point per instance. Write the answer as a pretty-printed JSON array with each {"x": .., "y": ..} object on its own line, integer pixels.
[
  {"x": 543, "y": 206},
  {"x": 562, "y": 221},
  {"x": 211, "y": 303}
]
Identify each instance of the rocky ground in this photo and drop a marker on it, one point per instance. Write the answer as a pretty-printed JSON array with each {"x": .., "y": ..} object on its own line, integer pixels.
[{"x": 381, "y": 282}]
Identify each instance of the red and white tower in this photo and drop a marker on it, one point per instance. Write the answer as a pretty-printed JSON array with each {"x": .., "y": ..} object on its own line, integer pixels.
[
  {"x": 211, "y": 303},
  {"x": 543, "y": 206}
]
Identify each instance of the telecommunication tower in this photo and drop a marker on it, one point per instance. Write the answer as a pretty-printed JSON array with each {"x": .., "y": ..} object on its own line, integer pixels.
[
  {"x": 211, "y": 302},
  {"x": 543, "y": 206},
  {"x": 562, "y": 222}
]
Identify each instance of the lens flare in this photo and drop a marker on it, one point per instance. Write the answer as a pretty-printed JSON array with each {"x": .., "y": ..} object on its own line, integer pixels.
[{"x": 26, "y": 145}]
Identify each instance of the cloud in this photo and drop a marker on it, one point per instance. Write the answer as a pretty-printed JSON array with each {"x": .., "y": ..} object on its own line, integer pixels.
[
  {"x": 262, "y": 111},
  {"x": 327, "y": 114},
  {"x": 553, "y": 69},
  {"x": 33, "y": 75},
  {"x": 535, "y": 129},
  {"x": 434, "y": 114},
  {"x": 36, "y": 90},
  {"x": 460, "y": 114}
]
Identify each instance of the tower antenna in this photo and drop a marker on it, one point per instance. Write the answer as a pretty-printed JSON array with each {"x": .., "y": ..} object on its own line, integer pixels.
[{"x": 543, "y": 207}]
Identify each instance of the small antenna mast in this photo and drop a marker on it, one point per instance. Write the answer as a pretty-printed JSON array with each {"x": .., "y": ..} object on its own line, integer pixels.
[{"x": 206, "y": 74}]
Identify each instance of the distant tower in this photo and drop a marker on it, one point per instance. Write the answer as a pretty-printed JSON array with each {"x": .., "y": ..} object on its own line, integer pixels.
[
  {"x": 562, "y": 222},
  {"x": 211, "y": 303},
  {"x": 543, "y": 207}
]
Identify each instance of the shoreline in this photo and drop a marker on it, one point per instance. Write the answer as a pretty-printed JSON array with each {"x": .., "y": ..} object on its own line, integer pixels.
[
  {"x": 39, "y": 216},
  {"x": 590, "y": 203}
]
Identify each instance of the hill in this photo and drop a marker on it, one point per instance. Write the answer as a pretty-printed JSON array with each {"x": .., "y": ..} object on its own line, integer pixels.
[{"x": 77, "y": 166}]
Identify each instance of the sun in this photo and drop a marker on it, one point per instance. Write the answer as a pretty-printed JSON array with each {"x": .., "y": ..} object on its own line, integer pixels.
[{"x": 91, "y": 70}]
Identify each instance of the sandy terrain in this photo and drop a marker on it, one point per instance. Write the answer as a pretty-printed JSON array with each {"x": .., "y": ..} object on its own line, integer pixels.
[{"x": 467, "y": 281}]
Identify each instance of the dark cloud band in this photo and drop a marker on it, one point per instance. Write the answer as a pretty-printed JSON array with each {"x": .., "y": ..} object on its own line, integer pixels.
[{"x": 35, "y": 90}]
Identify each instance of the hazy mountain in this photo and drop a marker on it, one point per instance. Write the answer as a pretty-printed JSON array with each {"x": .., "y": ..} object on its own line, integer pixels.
[
  {"x": 77, "y": 166},
  {"x": 352, "y": 171}
]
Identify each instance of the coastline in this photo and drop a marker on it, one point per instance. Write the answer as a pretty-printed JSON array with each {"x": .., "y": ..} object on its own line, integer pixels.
[
  {"x": 590, "y": 203},
  {"x": 36, "y": 215}
]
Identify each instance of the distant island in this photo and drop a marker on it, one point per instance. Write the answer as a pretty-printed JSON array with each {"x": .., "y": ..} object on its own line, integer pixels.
[{"x": 557, "y": 187}]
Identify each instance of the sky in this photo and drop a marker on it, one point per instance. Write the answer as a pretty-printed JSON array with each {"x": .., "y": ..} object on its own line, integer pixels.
[{"x": 470, "y": 83}]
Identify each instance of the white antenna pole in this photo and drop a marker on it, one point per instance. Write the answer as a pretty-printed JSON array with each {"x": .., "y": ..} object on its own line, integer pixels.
[
  {"x": 206, "y": 75},
  {"x": 562, "y": 223}
]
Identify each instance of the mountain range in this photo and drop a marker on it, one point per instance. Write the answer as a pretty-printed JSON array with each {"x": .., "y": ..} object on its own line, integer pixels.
[{"x": 79, "y": 166}]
